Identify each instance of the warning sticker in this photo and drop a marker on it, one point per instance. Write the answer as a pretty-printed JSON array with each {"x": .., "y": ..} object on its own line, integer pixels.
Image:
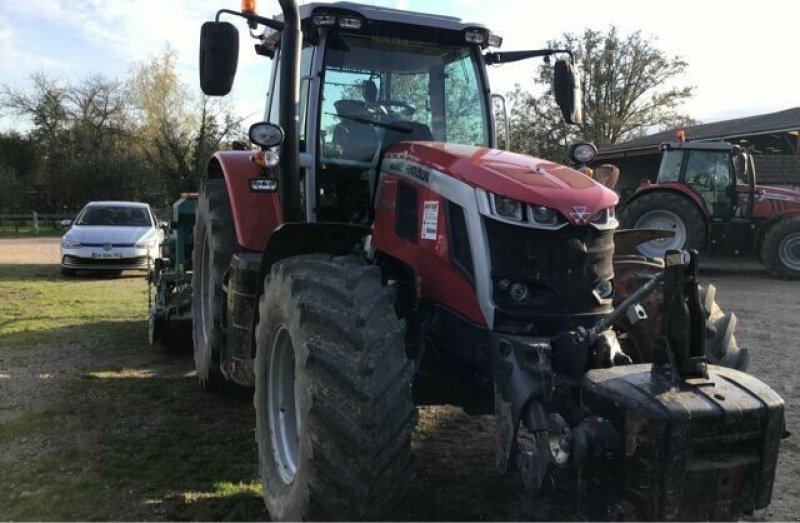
[{"x": 430, "y": 220}]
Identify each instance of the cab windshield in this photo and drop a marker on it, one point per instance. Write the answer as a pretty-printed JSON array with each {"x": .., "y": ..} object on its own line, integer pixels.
[{"x": 379, "y": 91}]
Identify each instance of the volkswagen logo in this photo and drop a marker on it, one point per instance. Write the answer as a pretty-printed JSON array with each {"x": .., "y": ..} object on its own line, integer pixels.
[
  {"x": 580, "y": 213},
  {"x": 106, "y": 246}
]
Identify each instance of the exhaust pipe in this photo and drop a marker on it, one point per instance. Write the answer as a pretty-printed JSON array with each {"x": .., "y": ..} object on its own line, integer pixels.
[{"x": 289, "y": 172}]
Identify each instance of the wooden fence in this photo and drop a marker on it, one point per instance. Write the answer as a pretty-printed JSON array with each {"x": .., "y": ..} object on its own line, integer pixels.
[{"x": 35, "y": 220}]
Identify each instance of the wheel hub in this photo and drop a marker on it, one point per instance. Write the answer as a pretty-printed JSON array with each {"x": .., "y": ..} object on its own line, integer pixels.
[
  {"x": 282, "y": 406},
  {"x": 789, "y": 251},
  {"x": 665, "y": 220}
]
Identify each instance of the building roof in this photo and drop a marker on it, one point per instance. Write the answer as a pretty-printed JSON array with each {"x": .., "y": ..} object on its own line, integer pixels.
[{"x": 779, "y": 122}]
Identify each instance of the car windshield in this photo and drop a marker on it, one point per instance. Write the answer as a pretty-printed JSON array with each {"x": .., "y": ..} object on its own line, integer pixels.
[{"x": 124, "y": 216}]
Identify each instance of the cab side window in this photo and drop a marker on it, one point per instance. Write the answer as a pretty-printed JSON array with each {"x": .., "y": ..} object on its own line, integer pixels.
[
  {"x": 306, "y": 57},
  {"x": 670, "y": 166}
]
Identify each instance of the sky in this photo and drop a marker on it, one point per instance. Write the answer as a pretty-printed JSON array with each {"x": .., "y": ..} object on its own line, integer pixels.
[{"x": 742, "y": 61}]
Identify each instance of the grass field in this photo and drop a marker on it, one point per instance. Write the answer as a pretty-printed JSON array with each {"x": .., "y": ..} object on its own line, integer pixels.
[{"x": 96, "y": 424}]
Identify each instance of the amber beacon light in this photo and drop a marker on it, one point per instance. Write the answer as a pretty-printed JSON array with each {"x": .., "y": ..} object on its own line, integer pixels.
[{"x": 249, "y": 6}]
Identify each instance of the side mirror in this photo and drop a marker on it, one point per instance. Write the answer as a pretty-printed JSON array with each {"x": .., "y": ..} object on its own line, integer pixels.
[
  {"x": 567, "y": 89},
  {"x": 266, "y": 134},
  {"x": 219, "y": 56},
  {"x": 66, "y": 223},
  {"x": 163, "y": 225}
]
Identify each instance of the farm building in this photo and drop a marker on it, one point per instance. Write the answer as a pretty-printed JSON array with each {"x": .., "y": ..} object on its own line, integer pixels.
[{"x": 774, "y": 137}]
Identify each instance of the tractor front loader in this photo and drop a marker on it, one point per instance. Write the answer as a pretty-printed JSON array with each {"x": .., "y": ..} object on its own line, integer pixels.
[{"x": 378, "y": 252}]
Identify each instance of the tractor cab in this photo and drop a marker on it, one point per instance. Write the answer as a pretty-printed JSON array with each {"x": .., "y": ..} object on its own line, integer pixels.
[
  {"x": 370, "y": 78},
  {"x": 719, "y": 173}
]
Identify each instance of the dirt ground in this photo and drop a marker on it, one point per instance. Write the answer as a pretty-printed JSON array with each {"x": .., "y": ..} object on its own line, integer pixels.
[
  {"x": 40, "y": 251},
  {"x": 456, "y": 480}
]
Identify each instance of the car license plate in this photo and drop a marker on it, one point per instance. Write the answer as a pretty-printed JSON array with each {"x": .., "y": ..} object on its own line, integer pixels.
[{"x": 106, "y": 255}]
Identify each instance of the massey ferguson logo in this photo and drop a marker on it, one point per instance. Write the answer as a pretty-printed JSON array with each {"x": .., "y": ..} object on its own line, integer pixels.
[{"x": 580, "y": 214}]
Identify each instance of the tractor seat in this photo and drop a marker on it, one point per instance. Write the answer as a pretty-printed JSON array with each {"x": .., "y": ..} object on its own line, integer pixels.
[
  {"x": 419, "y": 133},
  {"x": 356, "y": 141}
]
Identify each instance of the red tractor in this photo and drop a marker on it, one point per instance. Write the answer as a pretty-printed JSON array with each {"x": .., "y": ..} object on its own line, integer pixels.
[
  {"x": 378, "y": 253},
  {"x": 706, "y": 193}
]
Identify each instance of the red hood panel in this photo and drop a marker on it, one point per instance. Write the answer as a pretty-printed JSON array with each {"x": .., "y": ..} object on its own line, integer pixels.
[
  {"x": 524, "y": 178},
  {"x": 788, "y": 195}
]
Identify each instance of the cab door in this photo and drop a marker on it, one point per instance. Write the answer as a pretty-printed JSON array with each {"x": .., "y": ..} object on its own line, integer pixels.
[{"x": 710, "y": 174}]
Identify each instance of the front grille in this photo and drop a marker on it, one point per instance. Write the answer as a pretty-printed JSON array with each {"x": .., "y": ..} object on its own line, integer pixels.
[
  {"x": 561, "y": 270},
  {"x": 139, "y": 262},
  {"x": 104, "y": 244}
]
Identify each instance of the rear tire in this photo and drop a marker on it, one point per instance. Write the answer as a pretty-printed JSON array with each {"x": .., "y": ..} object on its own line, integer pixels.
[
  {"x": 666, "y": 210},
  {"x": 780, "y": 250},
  {"x": 215, "y": 243},
  {"x": 333, "y": 405}
]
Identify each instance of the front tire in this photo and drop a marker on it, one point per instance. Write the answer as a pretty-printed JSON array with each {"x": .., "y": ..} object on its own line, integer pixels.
[
  {"x": 670, "y": 211},
  {"x": 333, "y": 405},
  {"x": 215, "y": 243},
  {"x": 780, "y": 251},
  {"x": 638, "y": 339}
]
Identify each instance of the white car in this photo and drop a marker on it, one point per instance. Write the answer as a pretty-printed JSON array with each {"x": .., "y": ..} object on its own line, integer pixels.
[{"x": 112, "y": 236}]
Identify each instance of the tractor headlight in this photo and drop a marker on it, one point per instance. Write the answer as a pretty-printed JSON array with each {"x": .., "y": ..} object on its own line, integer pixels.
[
  {"x": 605, "y": 289},
  {"x": 350, "y": 22},
  {"x": 582, "y": 153},
  {"x": 508, "y": 208},
  {"x": 605, "y": 219},
  {"x": 323, "y": 19},
  {"x": 545, "y": 215},
  {"x": 70, "y": 244},
  {"x": 476, "y": 36},
  {"x": 344, "y": 20}
]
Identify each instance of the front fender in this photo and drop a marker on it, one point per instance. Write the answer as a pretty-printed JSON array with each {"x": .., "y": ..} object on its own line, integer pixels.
[
  {"x": 295, "y": 239},
  {"x": 679, "y": 188},
  {"x": 255, "y": 214}
]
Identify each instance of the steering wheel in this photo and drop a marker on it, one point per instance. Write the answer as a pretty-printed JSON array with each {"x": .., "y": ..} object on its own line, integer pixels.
[{"x": 403, "y": 107}]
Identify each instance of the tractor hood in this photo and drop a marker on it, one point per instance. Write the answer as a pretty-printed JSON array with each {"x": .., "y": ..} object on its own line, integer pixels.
[
  {"x": 525, "y": 178},
  {"x": 789, "y": 196},
  {"x": 770, "y": 202}
]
